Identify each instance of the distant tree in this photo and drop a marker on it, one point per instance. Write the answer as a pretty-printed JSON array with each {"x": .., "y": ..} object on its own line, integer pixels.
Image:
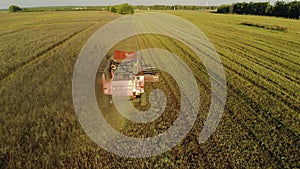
[
  {"x": 160, "y": 7},
  {"x": 262, "y": 8},
  {"x": 14, "y": 8},
  {"x": 280, "y": 9},
  {"x": 113, "y": 9},
  {"x": 238, "y": 8},
  {"x": 293, "y": 9},
  {"x": 268, "y": 8},
  {"x": 122, "y": 9},
  {"x": 125, "y": 9},
  {"x": 223, "y": 9}
]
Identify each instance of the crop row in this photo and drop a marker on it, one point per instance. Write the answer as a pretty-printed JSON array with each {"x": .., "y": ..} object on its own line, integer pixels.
[
  {"x": 262, "y": 58},
  {"x": 276, "y": 51},
  {"x": 281, "y": 48},
  {"x": 40, "y": 129},
  {"x": 228, "y": 109},
  {"x": 234, "y": 143},
  {"x": 281, "y": 90},
  {"x": 282, "y": 138},
  {"x": 261, "y": 94},
  {"x": 25, "y": 46}
]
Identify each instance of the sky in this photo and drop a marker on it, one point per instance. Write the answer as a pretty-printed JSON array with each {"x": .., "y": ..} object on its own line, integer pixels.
[{"x": 4, "y": 4}]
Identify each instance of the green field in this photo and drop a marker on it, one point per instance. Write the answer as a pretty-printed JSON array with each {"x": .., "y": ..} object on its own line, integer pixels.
[{"x": 259, "y": 129}]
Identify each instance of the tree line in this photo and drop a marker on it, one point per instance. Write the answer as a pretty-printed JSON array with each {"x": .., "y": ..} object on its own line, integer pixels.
[
  {"x": 175, "y": 7},
  {"x": 129, "y": 9},
  {"x": 279, "y": 9},
  {"x": 121, "y": 9}
]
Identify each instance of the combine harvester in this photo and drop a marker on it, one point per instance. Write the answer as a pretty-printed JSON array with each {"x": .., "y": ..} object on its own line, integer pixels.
[{"x": 125, "y": 75}]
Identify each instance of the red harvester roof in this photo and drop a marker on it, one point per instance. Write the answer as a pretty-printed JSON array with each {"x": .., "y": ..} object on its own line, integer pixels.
[{"x": 120, "y": 55}]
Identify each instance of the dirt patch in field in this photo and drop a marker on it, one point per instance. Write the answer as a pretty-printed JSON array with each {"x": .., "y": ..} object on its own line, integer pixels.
[{"x": 270, "y": 27}]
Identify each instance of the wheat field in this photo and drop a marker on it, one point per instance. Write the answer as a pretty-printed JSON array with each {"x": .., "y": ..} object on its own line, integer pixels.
[{"x": 260, "y": 126}]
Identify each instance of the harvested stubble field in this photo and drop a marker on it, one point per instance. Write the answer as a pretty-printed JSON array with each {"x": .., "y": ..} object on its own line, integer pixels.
[{"x": 259, "y": 128}]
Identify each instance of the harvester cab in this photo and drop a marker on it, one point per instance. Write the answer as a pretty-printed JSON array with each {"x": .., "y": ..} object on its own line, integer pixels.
[{"x": 126, "y": 75}]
